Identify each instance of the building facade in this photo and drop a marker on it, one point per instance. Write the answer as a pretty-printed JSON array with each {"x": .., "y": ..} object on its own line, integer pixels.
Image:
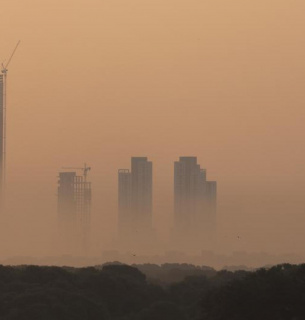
[
  {"x": 74, "y": 210},
  {"x": 124, "y": 203},
  {"x": 135, "y": 202},
  {"x": 194, "y": 205}
]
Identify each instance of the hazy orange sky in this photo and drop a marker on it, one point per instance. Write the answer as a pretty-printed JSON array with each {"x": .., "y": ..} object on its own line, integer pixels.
[{"x": 103, "y": 80}]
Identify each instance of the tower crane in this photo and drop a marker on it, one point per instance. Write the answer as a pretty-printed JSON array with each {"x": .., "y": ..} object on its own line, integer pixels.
[
  {"x": 4, "y": 67},
  {"x": 4, "y": 71},
  {"x": 85, "y": 170}
]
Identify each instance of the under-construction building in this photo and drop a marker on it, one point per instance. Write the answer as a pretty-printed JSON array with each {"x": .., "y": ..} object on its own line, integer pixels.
[{"x": 74, "y": 210}]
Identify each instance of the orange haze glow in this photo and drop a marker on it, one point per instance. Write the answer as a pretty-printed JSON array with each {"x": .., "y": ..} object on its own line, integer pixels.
[{"x": 99, "y": 81}]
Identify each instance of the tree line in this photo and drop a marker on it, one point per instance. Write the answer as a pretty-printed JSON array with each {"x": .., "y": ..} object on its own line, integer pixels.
[{"x": 151, "y": 292}]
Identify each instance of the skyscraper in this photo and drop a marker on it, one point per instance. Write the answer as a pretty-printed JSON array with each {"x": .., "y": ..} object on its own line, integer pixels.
[
  {"x": 74, "y": 209},
  {"x": 135, "y": 202},
  {"x": 194, "y": 205}
]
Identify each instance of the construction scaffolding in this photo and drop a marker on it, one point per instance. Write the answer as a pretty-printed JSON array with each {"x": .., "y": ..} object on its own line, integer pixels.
[{"x": 74, "y": 212}]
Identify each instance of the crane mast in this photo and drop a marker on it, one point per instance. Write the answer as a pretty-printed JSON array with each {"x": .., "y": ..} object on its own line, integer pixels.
[
  {"x": 80, "y": 211},
  {"x": 4, "y": 71},
  {"x": 85, "y": 170}
]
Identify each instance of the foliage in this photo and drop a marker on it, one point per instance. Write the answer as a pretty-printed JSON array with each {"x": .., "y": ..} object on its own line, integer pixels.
[{"x": 121, "y": 292}]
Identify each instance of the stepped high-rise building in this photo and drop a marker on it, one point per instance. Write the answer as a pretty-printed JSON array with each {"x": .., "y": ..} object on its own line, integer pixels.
[
  {"x": 194, "y": 205},
  {"x": 74, "y": 208},
  {"x": 135, "y": 202}
]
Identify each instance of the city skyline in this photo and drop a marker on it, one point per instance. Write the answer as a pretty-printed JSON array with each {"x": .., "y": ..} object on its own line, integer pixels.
[
  {"x": 194, "y": 208},
  {"x": 152, "y": 159},
  {"x": 223, "y": 81}
]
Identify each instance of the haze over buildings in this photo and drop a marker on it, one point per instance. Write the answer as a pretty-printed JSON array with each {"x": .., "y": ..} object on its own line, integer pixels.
[
  {"x": 74, "y": 213},
  {"x": 222, "y": 80},
  {"x": 194, "y": 226},
  {"x": 135, "y": 205},
  {"x": 194, "y": 207}
]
